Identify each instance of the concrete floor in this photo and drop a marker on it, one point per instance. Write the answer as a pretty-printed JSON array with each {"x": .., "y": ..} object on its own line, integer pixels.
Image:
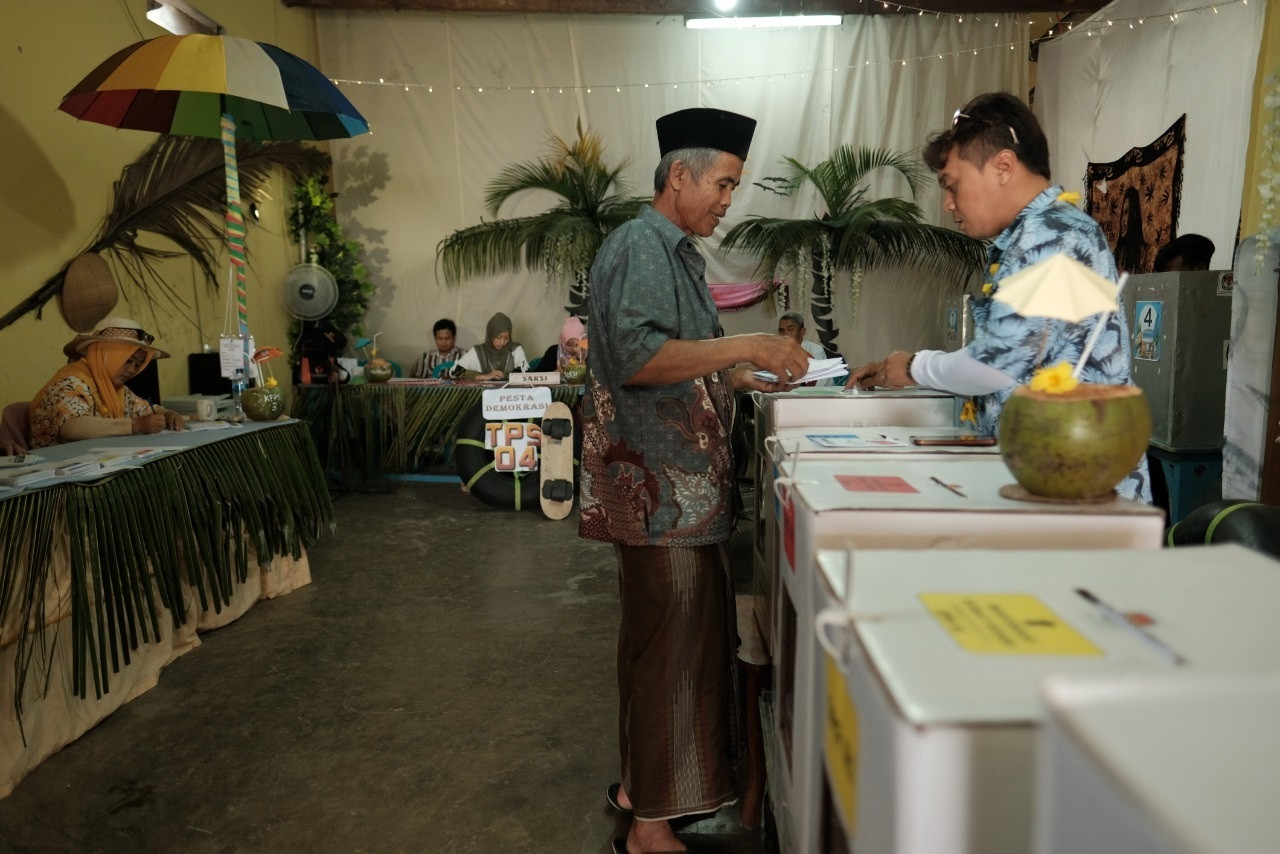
[{"x": 445, "y": 684}]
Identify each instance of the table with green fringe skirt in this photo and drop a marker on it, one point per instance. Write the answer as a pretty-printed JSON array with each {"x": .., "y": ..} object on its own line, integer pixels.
[
  {"x": 105, "y": 580},
  {"x": 376, "y": 431}
]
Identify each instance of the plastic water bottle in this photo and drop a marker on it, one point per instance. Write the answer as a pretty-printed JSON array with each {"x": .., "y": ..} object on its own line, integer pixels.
[{"x": 237, "y": 389}]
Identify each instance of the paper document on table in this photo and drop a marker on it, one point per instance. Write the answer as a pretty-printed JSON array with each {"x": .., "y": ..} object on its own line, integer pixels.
[
  {"x": 819, "y": 369},
  {"x": 116, "y": 456},
  {"x": 28, "y": 474},
  {"x": 845, "y": 441},
  {"x": 197, "y": 426}
]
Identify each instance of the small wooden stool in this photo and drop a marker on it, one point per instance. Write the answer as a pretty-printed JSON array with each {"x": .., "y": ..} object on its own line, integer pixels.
[{"x": 754, "y": 676}]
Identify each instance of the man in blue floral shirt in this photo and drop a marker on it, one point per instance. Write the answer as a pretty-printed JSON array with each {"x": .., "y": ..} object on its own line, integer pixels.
[{"x": 993, "y": 167}]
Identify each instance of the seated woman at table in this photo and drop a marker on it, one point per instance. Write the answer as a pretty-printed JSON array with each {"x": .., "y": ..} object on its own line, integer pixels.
[
  {"x": 496, "y": 357},
  {"x": 87, "y": 398},
  {"x": 569, "y": 349}
]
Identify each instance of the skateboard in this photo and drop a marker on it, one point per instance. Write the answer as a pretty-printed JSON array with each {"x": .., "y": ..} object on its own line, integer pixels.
[{"x": 555, "y": 469}]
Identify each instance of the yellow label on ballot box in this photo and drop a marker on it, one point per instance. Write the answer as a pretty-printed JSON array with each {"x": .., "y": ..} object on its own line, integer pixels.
[
  {"x": 842, "y": 746},
  {"x": 1005, "y": 623}
]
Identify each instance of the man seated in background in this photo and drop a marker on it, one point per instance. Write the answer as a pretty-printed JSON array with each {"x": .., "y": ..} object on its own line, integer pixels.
[
  {"x": 446, "y": 352},
  {"x": 1188, "y": 252},
  {"x": 791, "y": 325}
]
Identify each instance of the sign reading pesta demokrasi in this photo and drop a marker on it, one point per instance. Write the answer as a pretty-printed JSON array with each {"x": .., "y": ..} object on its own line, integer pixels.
[{"x": 505, "y": 403}]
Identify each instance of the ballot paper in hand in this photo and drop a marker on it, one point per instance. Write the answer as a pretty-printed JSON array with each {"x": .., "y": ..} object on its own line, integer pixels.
[{"x": 819, "y": 369}]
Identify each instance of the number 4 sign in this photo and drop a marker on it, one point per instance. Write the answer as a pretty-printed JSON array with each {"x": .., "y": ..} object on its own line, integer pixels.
[{"x": 1146, "y": 335}]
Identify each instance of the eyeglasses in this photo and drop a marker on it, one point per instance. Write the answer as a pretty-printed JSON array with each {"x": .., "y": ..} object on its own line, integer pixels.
[{"x": 955, "y": 120}]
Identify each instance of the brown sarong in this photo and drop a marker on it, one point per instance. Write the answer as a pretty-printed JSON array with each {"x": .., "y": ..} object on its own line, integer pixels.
[{"x": 677, "y": 724}]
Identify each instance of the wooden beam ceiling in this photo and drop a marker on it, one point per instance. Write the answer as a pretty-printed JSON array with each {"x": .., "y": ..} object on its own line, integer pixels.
[{"x": 704, "y": 7}]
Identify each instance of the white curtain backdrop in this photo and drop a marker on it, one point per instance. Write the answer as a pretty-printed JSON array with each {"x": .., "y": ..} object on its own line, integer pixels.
[
  {"x": 1100, "y": 95},
  {"x": 450, "y": 103}
]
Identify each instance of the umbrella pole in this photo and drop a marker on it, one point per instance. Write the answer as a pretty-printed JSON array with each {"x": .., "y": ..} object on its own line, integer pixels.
[
  {"x": 1097, "y": 329},
  {"x": 235, "y": 237}
]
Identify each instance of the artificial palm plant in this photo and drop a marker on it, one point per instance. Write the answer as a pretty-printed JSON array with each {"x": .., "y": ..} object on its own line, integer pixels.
[
  {"x": 855, "y": 233},
  {"x": 563, "y": 240},
  {"x": 177, "y": 191}
]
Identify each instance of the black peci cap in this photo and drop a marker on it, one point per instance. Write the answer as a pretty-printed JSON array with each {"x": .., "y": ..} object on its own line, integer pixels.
[{"x": 704, "y": 127}]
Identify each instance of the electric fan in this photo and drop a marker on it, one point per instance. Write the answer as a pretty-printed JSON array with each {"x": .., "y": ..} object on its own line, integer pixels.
[{"x": 310, "y": 291}]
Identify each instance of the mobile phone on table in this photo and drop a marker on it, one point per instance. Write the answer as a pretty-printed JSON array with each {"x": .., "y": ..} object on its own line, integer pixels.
[{"x": 965, "y": 440}]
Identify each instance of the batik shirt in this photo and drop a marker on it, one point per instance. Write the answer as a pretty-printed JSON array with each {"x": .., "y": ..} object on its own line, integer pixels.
[
  {"x": 1018, "y": 345},
  {"x": 656, "y": 461},
  {"x": 72, "y": 397}
]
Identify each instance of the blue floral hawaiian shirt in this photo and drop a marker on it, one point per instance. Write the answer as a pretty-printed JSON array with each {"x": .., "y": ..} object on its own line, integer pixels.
[{"x": 1019, "y": 345}]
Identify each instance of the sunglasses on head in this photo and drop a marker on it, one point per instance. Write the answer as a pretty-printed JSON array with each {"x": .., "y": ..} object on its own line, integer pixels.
[{"x": 955, "y": 120}]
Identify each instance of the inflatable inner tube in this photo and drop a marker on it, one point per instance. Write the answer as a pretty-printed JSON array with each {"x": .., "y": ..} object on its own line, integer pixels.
[
  {"x": 506, "y": 490},
  {"x": 1233, "y": 520}
]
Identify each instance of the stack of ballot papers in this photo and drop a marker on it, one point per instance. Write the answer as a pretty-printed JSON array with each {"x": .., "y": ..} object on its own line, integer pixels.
[
  {"x": 25, "y": 475},
  {"x": 819, "y": 369},
  {"x": 99, "y": 459}
]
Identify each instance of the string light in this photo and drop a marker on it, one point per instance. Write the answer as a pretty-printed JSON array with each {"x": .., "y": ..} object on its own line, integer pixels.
[{"x": 1054, "y": 31}]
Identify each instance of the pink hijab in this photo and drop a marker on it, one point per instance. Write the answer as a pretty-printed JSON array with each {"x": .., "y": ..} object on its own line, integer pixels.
[{"x": 572, "y": 330}]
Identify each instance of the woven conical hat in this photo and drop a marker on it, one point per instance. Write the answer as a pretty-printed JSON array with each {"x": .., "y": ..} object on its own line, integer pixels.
[{"x": 89, "y": 292}]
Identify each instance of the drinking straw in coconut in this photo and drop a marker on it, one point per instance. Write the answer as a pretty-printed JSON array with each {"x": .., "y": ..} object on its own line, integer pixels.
[{"x": 1097, "y": 329}]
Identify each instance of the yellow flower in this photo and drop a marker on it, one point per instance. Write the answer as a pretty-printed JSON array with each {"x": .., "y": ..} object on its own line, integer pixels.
[
  {"x": 1055, "y": 380},
  {"x": 1070, "y": 198},
  {"x": 969, "y": 412},
  {"x": 987, "y": 289},
  {"x": 993, "y": 268},
  {"x": 271, "y": 382}
]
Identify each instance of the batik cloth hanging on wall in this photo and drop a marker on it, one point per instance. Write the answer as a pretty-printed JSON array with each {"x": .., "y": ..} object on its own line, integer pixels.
[{"x": 1136, "y": 198}]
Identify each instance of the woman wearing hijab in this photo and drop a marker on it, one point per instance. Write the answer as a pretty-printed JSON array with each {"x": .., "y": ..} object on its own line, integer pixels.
[
  {"x": 88, "y": 399},
  {"x": 569, "y": 349},
  {"x": 496, "y": 357}
]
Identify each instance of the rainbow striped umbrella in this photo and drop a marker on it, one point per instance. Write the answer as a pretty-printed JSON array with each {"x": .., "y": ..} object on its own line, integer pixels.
[
  {"x": 219, "y": 87},
  {"x": 182, "y": 85}
]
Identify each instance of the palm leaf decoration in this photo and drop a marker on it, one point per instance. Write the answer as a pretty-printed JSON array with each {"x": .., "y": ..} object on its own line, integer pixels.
[
  {"x": 177, "y": 191},
  {"x": 143, "y": 547},
  {"x": 564, "y": 240},
  {"x": 855, "y": 233}
]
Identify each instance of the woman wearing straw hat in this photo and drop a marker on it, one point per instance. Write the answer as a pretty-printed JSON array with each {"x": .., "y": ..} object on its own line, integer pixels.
[{"x": 87, "y": 398}]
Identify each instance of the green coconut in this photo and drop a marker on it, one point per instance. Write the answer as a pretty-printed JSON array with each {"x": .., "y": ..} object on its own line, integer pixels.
[
  {"x": 378, "y": 370},
  {"x": 1074, "y": 445},
  {"x": 263, "y": 403}
]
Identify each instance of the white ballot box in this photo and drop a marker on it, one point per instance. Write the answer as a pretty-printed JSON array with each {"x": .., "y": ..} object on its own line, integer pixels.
[
  {"x": 836, "y": 407},
  {"x": 1176, "y": 762},
  {"x": 789, "y": 445},
  {"x": 902, "y": 503},
  {"x": 924, "y": 410},
  {"x": 933, "y": 701}
]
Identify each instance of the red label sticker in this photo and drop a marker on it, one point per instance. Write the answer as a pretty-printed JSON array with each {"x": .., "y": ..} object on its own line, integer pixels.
[{"x": 863, "y": 483}]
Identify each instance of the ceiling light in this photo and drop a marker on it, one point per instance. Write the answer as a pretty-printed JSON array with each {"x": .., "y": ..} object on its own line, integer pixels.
[
  {"x": 726, "y": 5},
  {"x": 759, "y": 22},
  {"x": 181, "y": 18}
]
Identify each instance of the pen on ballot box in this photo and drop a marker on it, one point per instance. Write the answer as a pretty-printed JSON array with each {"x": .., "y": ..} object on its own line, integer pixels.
[
  {"x": 947, "y": 486},
  {"x": 1124, "y": 622}
]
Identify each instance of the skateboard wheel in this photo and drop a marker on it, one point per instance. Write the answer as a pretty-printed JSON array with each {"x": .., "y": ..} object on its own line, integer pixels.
[
  {"x": 557, "y": 428},
  {"x": 558, "y": 490}
]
